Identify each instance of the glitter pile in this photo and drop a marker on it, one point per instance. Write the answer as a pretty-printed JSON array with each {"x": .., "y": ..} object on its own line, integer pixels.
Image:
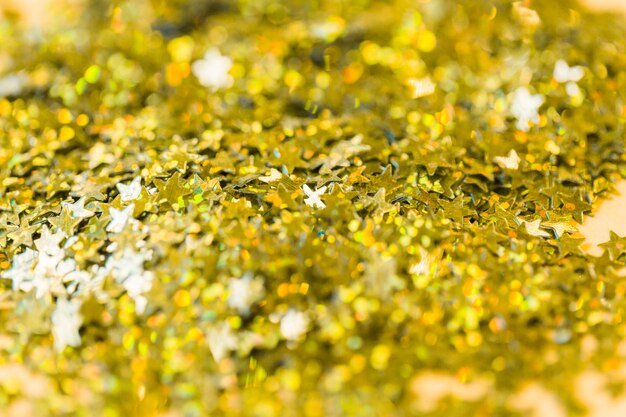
[{"x": 263, "y": 208}]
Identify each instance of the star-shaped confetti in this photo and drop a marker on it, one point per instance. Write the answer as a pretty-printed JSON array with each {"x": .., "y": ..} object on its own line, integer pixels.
[
  {"x": 510, "y": 162},
  {"x": 294, "y": 325},
  {"x": 213, "y": 70},
  {"x": 560, "y": 226},
  {"x": 23, "y": 235},
  {"x": 65, "y": 222},
  {"x": 525, "y": 106},
  {"x": 131, "y": 191},
  {"x": 533, "y": 228},
  {"x": 313, "y": 197},
  {"x": 66, "y": 321},
  {"x": 119, "y": 218},
  {"x": 171, "y": 190},
  {"x": 77, "y": 209},
  {"x": 615, "y": 247},
  {"x": 21, "y": 269},
  {"x": 49, "y": 242}
]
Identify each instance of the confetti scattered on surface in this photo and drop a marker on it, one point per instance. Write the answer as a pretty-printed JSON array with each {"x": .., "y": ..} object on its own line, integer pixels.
[{"x": 265, "y": 208}]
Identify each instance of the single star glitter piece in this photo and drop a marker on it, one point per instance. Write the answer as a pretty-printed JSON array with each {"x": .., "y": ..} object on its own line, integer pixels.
[
  {"x": 49, "y": 242},
  {"x": 378, "y": 204},
  {"x": 131, "y": 191},
  {"x": 171, "y": 189},
  {"x": 12, "y": 85},
  {"x": 221, "y": 341},
  {"x": 24, "y": 234},
  {"x": 533, "y": 228},
  {"x": 313, "y": 197},
  {"x": 64, "y": 222},
  {"x": 20, "y": 272},
  {"x": 119, "y": 218},
  {"x": 56, "y": 184},
  {"x": 455, "y": 209},
  {"x": 341, "y": 153},
  {"x": 243, "y": 292},
  {"x": 424, "y": 266},
  {"x": 615, "y": 247},
  {"x": 570, "y": 246},
  {"x": 128, "y": 270},
  {"x": 510, "y": 162},
  {"x": 421, "y": 87},
  {"x": 524, "y": 107},
  {"x": 66, "y": 321},
  {"x": 77, "y": 209},
  {"x": 273, "y": 175},
  {"x": 212, "y": 70},
  {"x": 560, "y": 227},
  {"x": 293, "y": 325},
  {"x": 50, "y": 272},
  {"x": 563, "y": 73},
  {"x": 90, "y": 187}
]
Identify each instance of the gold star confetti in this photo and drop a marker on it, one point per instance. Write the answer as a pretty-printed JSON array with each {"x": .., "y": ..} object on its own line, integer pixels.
[
  {"x": 560, "y": 227},
  {"x": 533, "y": 228}
]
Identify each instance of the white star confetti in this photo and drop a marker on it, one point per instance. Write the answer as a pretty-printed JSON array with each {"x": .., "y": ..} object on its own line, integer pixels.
[
  {"x": 66, "y": 321},
  {"x": 77, "y": 209},
  {"x": 423, "y": 266},
  {"x": 273, "y": 175},
  {"x": 50, "y": 272},
  {"x": 313, "y": 197},
  {"x": 131, "y": 191},
  {"x": 21, "y": 270},
  {"x": 525, "y": 108},
  {"x": 421, "y": 87},
  {"x": 329, "y": 29},
  {"x": 293, "y": 325},
  {"x": 42, "y": 270},
  {"x": 119, "y": 218},
  {"x": 510, "y": 162},
  {"x": 212, "y": 70},
  {"x": 563, "y": 73},
  {"x": 49, "y": 242},
  {"x": 12, "y": 85},
  {"x": 572, "y": 89},
  {"x": 221, "y": 341},
  {"x": 128, "y": 271},
  {"x": 243, "y": 292}
]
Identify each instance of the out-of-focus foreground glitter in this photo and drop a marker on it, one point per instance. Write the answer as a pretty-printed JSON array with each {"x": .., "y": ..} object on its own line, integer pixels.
[{"x": 308, "y": 208}]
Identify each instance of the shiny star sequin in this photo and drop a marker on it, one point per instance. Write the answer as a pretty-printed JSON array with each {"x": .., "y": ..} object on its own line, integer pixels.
[
  {"x": 212, "y": 70},
  {"x": 510, "y": 162},
  {"x": 119, "y": 218},
  {"x": 130, "y": 192},
  {"x": 313, "y": 197},
  {"x": 524, "y": 107},
  {"x": 66, "y": 321},
  {"x": 533, "y": 228},
  {"x": 77, "y": 209}
]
